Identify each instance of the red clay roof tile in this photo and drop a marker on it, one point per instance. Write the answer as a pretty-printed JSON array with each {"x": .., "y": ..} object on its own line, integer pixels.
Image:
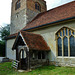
[
  {"x": 34, "y": 41},
  {"x": 58, "y": 13}
]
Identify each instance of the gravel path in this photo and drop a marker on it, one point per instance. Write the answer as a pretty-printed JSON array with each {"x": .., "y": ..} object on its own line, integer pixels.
[{"x": 1, "y": 58}]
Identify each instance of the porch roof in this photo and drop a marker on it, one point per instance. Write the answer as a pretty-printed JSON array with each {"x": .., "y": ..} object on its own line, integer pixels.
[{"x": 33, "y": 41}]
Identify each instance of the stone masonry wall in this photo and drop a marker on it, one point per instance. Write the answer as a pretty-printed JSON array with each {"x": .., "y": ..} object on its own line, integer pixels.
[
  {"x": 30, "y": 15},
  {"x": 18, "y": 21},
  {"x": 18, "y": 17},
  {"x": 25, "y": 14},
  {"x": 31, "y": 11},
  {"x": 23, "y": 6},
  {"x": 11, "y": 54}
]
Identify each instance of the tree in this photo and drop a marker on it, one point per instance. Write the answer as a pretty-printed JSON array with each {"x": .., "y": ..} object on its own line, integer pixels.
[
  {"x": 2, "y": 48},
  {"x": 4, "y": 32}
]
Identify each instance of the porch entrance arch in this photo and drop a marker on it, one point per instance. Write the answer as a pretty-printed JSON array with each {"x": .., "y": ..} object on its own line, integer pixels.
[{"x": 22, "y": 58}]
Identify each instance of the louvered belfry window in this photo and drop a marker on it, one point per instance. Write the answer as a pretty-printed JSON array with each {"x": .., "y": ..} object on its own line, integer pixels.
[
  {"x": 37, "y": 6},
  {"x": 18, "y": 5}
]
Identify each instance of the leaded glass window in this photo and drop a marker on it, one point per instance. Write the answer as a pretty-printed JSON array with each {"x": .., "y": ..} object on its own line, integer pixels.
[
  {"x": 72, "y": 46},
  {"x": 73, "y": 32},
  {"x": 67, "y": 32},
  {"x": 59, "y": 47},
  {"x": 60, "y": 33},
  {"x": 63, "y": 32},
  {"x": 65, "y": 44}
]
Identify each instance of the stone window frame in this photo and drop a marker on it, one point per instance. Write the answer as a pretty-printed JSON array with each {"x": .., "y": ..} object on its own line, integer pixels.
[
  {"x": 37, "y": 6},
  {"x": 18, "y": 4},
  {"x": 57, "y": 35}
]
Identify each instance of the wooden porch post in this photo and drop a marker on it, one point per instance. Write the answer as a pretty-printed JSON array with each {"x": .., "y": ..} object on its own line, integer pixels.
[
  {"x": 17, "y": 58},
  {"x": 28, "y": 61}
]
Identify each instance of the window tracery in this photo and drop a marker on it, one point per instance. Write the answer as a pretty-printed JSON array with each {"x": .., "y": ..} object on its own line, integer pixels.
[{"x": 65, "y": 42}]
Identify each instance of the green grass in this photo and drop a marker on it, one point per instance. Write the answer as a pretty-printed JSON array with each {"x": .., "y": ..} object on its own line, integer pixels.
[{"x": 6, "y": 69}]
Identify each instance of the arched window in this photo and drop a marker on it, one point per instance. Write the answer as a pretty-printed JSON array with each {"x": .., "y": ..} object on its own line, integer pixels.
[
  {"x": 37, "y": 6},
  {"x": 72, "y": 46},
  {"x": 66, "y": 32},
  {"x": 23, "y": 54},
  {"x": 59, "y": 47},
  {"x": 18, "y": 4},
  {"x": 63, "y": 32},
  {"x": 65, "y": 44}
]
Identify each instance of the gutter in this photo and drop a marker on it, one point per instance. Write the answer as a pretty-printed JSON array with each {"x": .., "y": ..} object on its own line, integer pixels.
[
  {"x": 50, "y": 23},
  {"x": 10, "y": 37},
  {"x": 42, "y": 26}
]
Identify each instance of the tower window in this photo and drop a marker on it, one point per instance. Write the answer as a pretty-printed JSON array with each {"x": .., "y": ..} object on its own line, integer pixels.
[
  {"x": 16, "y": 15},
  {"x": 37, "y": 6},
  {"x": 18, "y": 4}
]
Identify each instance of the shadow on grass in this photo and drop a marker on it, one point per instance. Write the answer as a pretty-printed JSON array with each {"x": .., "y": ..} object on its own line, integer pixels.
[{"x": 46, "y": 67}]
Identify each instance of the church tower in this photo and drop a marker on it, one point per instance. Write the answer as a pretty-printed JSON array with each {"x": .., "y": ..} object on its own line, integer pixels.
[{"x": 23, "y": 11}]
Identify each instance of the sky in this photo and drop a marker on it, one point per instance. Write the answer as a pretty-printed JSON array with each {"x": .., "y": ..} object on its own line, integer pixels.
[{"x": 5, "y": 9}]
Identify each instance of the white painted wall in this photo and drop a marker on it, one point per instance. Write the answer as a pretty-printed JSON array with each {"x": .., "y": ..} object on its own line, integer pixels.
[
  {"x": 11, "y": 54},
  {"x": 49, "y": 36}
]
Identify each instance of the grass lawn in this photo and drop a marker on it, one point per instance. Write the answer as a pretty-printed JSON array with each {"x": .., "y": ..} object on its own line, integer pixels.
[{"x": 6, "y": 69}]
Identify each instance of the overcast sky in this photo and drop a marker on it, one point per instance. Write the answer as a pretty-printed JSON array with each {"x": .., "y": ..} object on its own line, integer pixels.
[{"x": 5, "y": 9}]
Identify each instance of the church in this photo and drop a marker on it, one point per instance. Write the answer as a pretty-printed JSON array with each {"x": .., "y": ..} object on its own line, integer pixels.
[{"x": 40, "y": 37}]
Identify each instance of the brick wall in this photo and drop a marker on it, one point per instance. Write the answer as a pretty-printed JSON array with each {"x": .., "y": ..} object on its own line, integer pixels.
[{"x": 31, "y": 5}]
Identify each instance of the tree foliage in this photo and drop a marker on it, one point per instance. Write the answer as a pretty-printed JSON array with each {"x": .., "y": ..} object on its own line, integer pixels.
[
  {"x": 4, "y": 32},
  {"x": 2, "y": 48}
]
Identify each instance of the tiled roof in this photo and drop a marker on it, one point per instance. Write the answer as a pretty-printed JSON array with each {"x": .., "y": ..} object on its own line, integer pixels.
[
  {"x": 34, "y": 41},
  {"x": 58, "y": 13}
]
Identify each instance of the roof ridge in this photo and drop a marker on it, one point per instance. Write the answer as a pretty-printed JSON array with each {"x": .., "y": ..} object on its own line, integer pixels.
[
  {"x": 60, "y": 6},
  {"x": 53, "y": 15},
  {"x": 37, "y": 16},
  {"x": 48, "y": 11}
]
